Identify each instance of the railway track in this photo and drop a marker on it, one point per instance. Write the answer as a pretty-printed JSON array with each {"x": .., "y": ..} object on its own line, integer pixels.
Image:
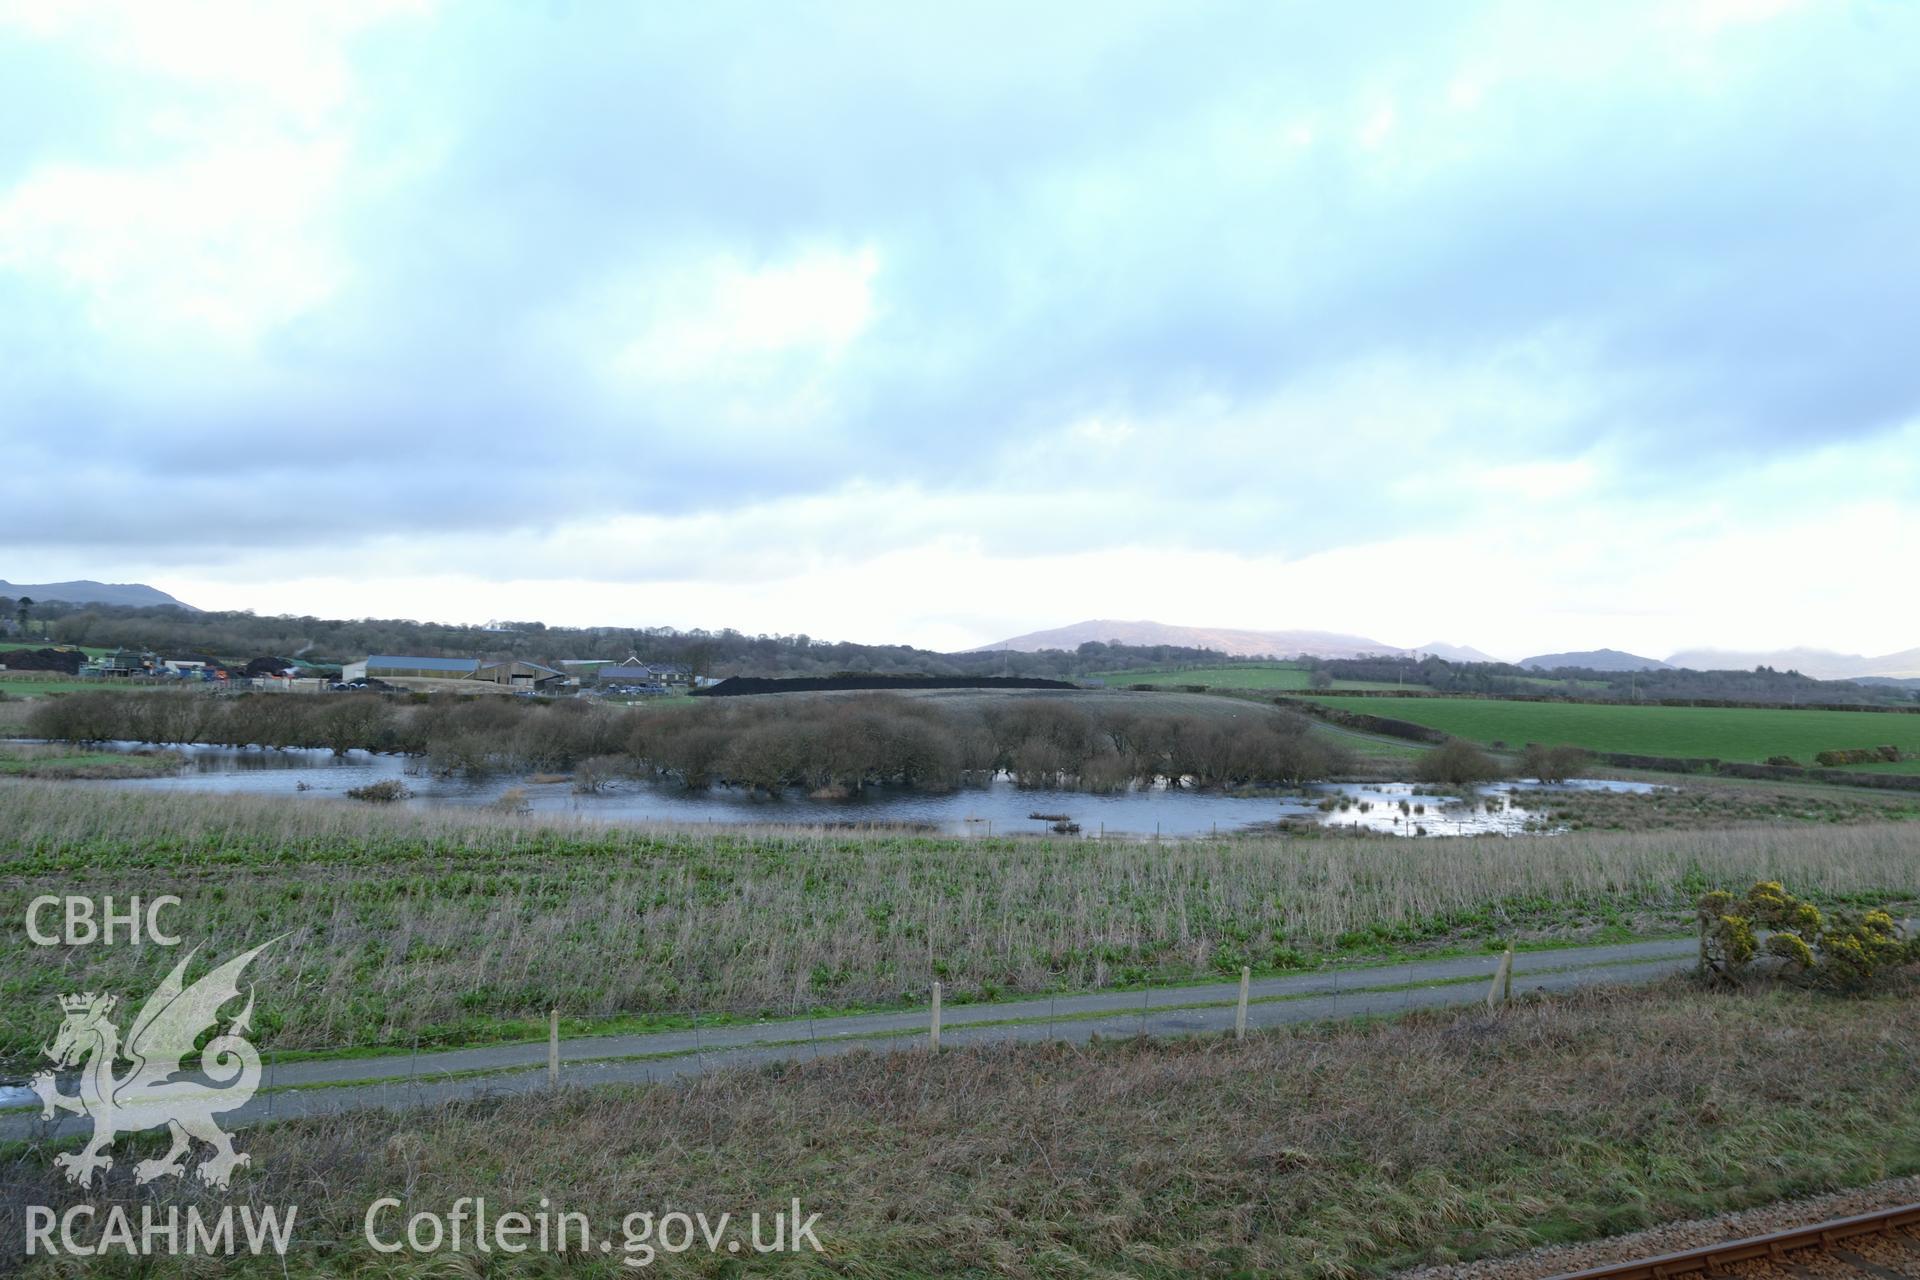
[{"x": 1882, "y": 1245}]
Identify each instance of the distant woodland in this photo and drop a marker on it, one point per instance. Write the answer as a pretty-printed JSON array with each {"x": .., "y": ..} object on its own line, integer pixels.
[{"x": 240, "y": 637}]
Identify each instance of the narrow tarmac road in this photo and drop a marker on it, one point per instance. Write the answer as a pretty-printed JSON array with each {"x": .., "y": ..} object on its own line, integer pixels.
[{"x": 402, "y": 1081}]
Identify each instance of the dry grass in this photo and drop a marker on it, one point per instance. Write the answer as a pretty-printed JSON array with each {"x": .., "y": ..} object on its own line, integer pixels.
[
  {"x": 455, "y": 927},
  {"x": 1716, "y": 803},
  {"x": 1323, "y": 1152}
]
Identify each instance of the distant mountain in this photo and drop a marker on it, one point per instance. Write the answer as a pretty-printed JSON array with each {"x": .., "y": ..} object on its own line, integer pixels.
[
  {"x": 1596, "y": 660},
  {"x": 1821, "y": 664},
  {"x": 87, "y": 591},
  {"x": 1239, "y": 643},
  {"x": 1454, "y": 652}
]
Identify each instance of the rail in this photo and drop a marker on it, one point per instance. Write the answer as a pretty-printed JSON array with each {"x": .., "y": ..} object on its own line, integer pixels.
[{"x": 1713, "y": 1258}]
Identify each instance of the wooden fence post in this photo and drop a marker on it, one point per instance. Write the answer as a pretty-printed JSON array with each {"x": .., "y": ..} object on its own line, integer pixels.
[
  {"x": 1240, "y": 1017},
  {"x": 553, "y": 1048},
  {"x": 933, "y": 1028},
  {"x": 1502, "y": 988}
]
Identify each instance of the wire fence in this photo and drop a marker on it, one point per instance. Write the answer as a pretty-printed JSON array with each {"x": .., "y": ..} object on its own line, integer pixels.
[{"x": 612, "y": 1043}]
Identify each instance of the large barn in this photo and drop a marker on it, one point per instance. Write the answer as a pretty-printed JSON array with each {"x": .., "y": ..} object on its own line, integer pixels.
[
  {"x": 520, "y": 675},
  {"x": 438, "y": 673},
  {"x": 391, "y": 667}
]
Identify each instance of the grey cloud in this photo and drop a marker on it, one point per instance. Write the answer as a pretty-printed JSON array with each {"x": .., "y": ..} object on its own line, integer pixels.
[{"x": 1063, "y": 233}]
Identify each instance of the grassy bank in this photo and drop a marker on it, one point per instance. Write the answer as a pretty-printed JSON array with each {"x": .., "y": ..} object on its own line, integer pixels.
[
  {"x": 1388, "y": 757},
  {"x": 447, "y": 925},
  {"x": 1710, "y": 803},
  {"x": 28, "y": 686},
  {"x": 58, "y": 762},
  {"x": 1725, "y": 733},
  {"x": 1329, "y": 1151},
  {"x": 1886, "y": 766}
]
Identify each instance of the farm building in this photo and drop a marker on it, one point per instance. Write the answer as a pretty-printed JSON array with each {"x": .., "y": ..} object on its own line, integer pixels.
[
  {"x": 288, "y": 684},
  {"x": 632, "y": 671},
  {"x": 427, "y": 674},
  {"x": 191, "y": 667},
  {"x": 123, "y": 664},
  {"x": 392, "y": 667},
  {"x": 519, "y": 675}
]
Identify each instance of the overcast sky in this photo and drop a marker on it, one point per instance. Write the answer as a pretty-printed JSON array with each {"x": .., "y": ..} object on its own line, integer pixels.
[{"x": 1529, "y": 326}]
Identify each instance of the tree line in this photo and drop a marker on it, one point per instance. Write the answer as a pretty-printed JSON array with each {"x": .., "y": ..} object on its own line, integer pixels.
[
  {"x": 1763, "y": 684},
  {"x": 239, "y": 636},
  {"x": 833, "y": 744}
]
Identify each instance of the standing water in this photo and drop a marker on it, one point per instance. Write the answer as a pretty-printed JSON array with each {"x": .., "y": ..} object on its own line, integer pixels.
[{"x": 1000, "y": 807}]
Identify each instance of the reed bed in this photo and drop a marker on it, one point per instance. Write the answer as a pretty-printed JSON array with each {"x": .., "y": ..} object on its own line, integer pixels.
[{"x": 452, "y": 927}]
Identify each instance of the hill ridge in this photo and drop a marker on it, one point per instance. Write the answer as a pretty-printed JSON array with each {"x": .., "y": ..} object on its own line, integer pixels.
[
  {"x": 1597, "y": 660},
  {"x": 1239, "y": 642},
  {"x": 1821, "y": 664},
  {"x": 88, "y": 591}
]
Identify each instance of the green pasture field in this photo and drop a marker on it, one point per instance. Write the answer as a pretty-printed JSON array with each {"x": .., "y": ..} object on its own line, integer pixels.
[
  {"x": 1724, "y": 733},
  {"x": 30, "y": 688},
  {"x": 22, "y": 685},
  {"x": 1368, "y": 748}
]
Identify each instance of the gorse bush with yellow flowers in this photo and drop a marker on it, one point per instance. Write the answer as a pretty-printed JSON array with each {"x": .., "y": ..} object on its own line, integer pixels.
[{"x": 1832, "y": 949}]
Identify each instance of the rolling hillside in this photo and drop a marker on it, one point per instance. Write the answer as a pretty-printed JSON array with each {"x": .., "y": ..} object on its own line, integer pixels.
[
  {"x": 1232, "y": 641},
  {"x": 1821, "y": 664},
  {"x": 86, "y": 591},
  {"x": 1596, "y": 660}
]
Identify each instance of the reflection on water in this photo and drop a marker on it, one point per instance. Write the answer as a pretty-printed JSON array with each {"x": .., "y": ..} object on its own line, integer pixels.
[
  {"x": 1402, "y": 808},
  {"x": 1394, "y": 808}
]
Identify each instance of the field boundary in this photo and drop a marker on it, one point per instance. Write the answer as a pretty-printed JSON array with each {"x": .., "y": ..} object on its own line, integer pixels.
[
  {"x": 321, "y": 1086},
  {"x": 1428, "y": 735},
  {"x": 741, "y": 686},
  {"x": 1737, "y": 704}
]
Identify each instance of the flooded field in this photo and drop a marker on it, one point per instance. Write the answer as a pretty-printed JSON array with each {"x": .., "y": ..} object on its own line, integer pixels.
[{"x": 1393, "y": 808}]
